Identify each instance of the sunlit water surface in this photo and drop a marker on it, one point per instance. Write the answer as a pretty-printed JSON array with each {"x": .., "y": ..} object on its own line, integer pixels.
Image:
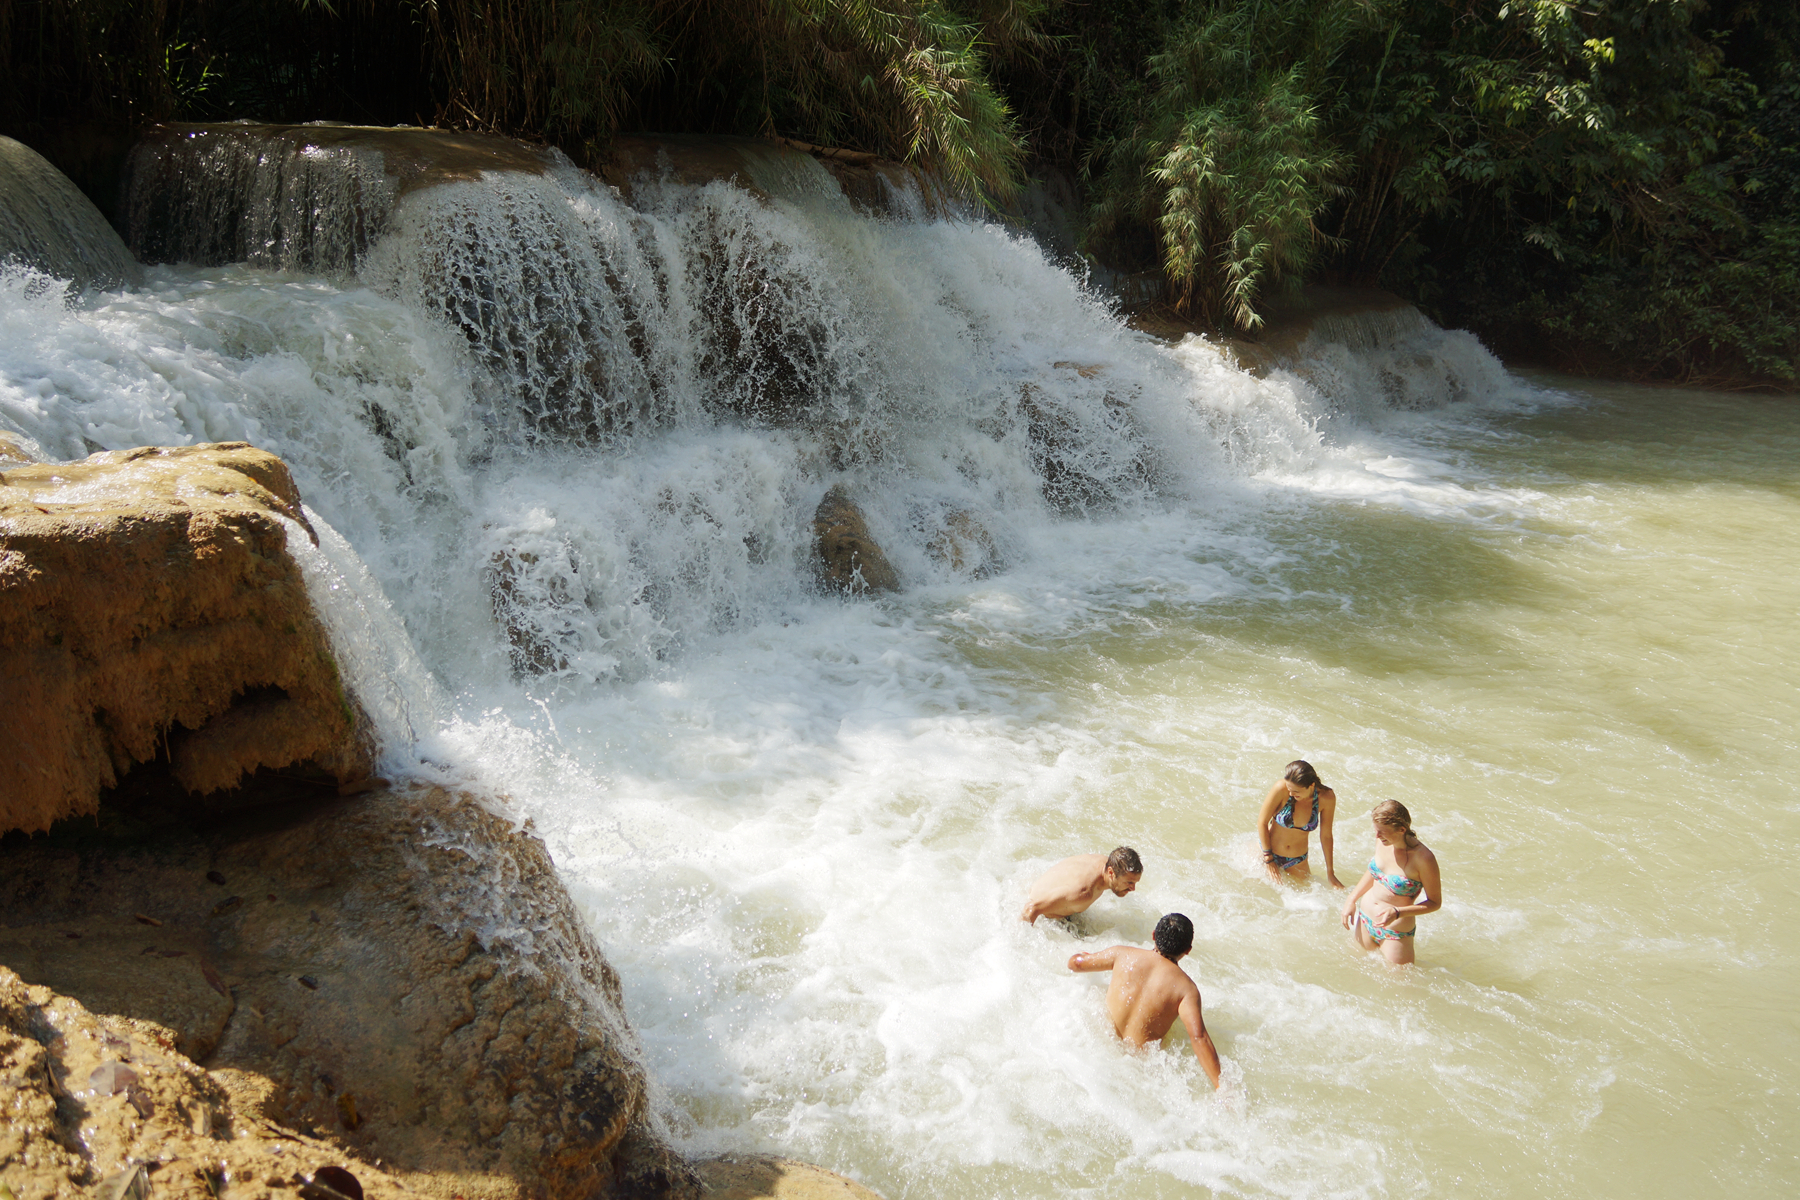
[{"x": 1564, "y": 638}]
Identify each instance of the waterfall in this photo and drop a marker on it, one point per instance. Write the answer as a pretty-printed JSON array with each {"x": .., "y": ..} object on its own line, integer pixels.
[{"x": 47, "y": 224}]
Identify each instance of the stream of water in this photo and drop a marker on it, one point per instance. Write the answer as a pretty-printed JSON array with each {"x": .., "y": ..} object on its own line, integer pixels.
[{"x": 1553, "y": 618}]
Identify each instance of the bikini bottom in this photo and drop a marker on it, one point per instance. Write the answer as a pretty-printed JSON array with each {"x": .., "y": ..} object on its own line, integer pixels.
[
  {"x": 1379, "y": 933},
  {"x": 1284, "y": 862}
]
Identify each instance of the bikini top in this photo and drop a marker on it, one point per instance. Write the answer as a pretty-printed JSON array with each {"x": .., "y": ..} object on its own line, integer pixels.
[
  {"x": 1400, "y": 885},
  {"x": 1285, "y": 818}
]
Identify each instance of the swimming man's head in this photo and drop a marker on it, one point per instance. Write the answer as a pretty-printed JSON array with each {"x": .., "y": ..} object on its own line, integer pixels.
[
  {"x": 1123, "y": 870},
  {"x": 1174, "y": 936}
]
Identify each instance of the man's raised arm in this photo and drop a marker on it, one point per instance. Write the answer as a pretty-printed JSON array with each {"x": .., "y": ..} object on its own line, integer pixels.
[
  {"x": 1204, "y": 1050},
  {"x": 1100, "y": 960}
]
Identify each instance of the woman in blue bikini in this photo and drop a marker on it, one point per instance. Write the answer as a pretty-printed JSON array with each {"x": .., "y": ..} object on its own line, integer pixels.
[
  {"x": 1400, "y": 885},
  {"x": 1295, "y": 807}
]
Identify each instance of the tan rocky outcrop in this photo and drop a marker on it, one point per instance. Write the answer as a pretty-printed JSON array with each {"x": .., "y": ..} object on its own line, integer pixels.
[
  {"x": 847, "y": 558},
  {"x": 149, "y": 610},
  {"x": 768, "y": 1177},
  {"x": 395, "y": 979},
  {"x": 92, "y": 1101}
]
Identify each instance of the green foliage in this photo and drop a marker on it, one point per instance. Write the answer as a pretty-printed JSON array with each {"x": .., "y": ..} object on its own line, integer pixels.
[{"x": 1229, "y": 159}]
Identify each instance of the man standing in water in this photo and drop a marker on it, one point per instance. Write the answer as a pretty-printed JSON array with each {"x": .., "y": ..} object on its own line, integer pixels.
[
  {"x": 1149, "y": 990},
  {"x": 1073, "y": 884}
]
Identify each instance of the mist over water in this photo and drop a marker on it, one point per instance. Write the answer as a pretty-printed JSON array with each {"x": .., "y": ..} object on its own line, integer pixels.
[{"x": 565, "y": 456}]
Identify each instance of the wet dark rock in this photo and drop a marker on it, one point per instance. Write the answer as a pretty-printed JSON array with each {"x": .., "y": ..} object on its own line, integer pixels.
[
  {"x": 215, "y": 877},
  {"x": 847, "y": 558},
  {"x": 309, "y": 983},
  {"x": 226, "y": 905}
]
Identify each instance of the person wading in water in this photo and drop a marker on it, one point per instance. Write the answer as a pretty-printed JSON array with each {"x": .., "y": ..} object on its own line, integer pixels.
[
  {"x": 1295, "y": 807},
  {"x": 1149, "y": 990},
  {"x": 1073, "y": 884}
]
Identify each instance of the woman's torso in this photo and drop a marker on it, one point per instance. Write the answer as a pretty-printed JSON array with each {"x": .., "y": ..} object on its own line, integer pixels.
[
  {"x": 1393, "y": 883},
  {"x": 1289, "y": 827}
]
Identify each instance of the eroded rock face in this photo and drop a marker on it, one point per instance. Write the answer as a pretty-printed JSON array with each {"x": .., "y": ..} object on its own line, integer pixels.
[
  {"x": 46, "y": 222},
  {"x": 395, "y": 978},
  {"x": 148, "y": 608},
  {"x": 848, "y": 559},
  {"x": 965, "y": 546}
]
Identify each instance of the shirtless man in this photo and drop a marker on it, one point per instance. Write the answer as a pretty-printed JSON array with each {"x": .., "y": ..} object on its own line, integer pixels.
[
  {"x": 1149, "y": 991},
  {"x": 1073, "y": 884}
]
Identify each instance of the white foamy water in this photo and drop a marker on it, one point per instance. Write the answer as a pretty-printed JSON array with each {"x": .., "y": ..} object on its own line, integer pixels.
[{"x": 802, "y": 825}]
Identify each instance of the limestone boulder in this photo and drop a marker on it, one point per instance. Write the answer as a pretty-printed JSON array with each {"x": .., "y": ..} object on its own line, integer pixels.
[
  {"x": 150, "y": 612},
  {"x": 47, "y": 223},
  {"x": 396, "y": 978},
  {"x": 846, "y": 557}
]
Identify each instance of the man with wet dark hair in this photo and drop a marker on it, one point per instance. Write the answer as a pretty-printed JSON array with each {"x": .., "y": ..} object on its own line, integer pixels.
[
  {"x": 1148, "y": 991},
  {"x": 1073, "y": 884}
]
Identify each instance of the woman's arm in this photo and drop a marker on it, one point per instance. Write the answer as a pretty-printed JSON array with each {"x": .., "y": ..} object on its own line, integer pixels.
[
  {"x": 1327, "y": 810},
  {"x": 1266, "y": 818},
  {"x": 1362, "y": 885},
  {"x": 1429, "y": 886}
]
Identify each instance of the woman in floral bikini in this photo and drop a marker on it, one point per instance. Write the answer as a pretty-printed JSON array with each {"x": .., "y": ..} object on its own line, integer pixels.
[
  {"x": 1295, "y": 807},
  {"x": 1400, "y": 885}
]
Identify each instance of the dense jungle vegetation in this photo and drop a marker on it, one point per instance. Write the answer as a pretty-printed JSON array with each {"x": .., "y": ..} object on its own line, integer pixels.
[{"x": 1612, "y": 183}]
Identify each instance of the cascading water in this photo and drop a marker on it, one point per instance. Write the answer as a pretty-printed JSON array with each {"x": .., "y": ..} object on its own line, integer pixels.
[{"x": 572, "y": 448}]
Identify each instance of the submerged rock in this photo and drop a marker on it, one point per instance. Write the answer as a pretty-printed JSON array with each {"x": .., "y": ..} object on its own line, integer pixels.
[
  {"x": 768, "y": 1177},
  {"x": 847, "y": 557},
  {"x": 965, "y": 545},
  {"x": 47, "y": 223},
  {"x": 149, "y": 610}
]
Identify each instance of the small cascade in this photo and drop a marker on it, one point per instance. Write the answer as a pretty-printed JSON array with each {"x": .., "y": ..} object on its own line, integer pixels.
[{"x": 46, "y": 223}]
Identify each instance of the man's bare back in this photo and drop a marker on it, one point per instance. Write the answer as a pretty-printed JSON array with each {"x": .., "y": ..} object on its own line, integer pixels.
[
  {"x": 1149, "y": 991},
  {"x": 1073, "y": 884}
]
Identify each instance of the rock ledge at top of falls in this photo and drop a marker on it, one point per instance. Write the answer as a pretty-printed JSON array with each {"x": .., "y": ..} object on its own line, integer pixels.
[
  {"x": 296, "y": 197},
  {"x": 150, "y": 613},
  {"x": 765, "y": 167},
  {"x": 47, "y": 223},
  {"x": 1295, "y": 322},
  {"x": 394, "y": 983}
]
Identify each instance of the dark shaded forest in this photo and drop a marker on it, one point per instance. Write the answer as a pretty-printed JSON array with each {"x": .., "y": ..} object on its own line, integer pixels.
[{"x": 1608, "y": 185}]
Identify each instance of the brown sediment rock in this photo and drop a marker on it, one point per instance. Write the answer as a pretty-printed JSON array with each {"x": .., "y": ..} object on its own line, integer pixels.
[
  {"x": 764, "y": 167},
  {"x": 768, "y": 1177},
  {"x": 965, "y": 545},
  {"x": 1315, "y": 313},
  {"x": 148, "y": 606},
  {"x": 402, "y": 981},
  {"x": 847, "y": 558}
]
